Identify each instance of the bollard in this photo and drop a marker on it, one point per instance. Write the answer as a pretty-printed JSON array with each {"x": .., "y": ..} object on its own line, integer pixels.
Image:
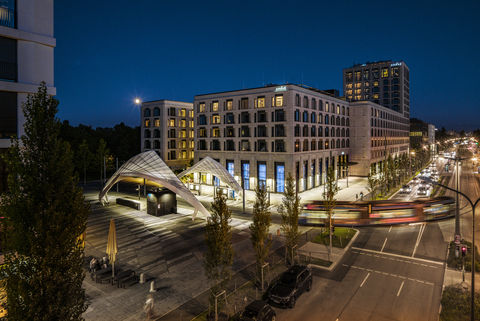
[
  {"x": 152, "y": 287},
  {"x": 142, "y": 278}
]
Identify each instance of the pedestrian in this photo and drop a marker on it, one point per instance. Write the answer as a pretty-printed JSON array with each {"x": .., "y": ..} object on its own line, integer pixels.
[
  {"x": 361, "y": 196},
  {"x": 93, "y": 265},
  {"x": 148, "y": 307}
]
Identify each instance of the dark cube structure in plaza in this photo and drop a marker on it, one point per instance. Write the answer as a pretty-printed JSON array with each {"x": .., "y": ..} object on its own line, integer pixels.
[{"x": 161, "y": 202}]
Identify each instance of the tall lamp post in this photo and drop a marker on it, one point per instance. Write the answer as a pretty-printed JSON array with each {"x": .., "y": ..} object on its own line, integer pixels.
[{"x": 473, "y": 205}]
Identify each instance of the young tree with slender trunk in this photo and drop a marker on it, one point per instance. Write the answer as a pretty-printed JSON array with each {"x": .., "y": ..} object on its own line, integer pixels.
[
  {"x": 218, "y": 258},
  {"x": 259, "y": 229},
  {"x": 331, "y": 189},
  {"x": 45, "y": 214},
  {"x": 289, "y": 211},
  {"x": 372, "y": 186}
]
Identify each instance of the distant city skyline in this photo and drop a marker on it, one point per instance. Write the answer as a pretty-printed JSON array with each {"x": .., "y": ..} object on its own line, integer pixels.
[{"x": 153, "y": 50}]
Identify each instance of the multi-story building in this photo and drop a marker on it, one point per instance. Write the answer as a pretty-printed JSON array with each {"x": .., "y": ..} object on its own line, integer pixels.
[
  {"x": 376, "y": 133},
  {"x": 386, "y": 83},
  {"x": 422, "y": 135},
  {"x": 26, "y": 59},
  {"x": 261, "y": 135},
  {"x": 168, "y": 128}
]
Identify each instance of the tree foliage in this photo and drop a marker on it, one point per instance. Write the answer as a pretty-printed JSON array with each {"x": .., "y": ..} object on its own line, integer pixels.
[
  {"x": 289, "y": 211},
  {"x": 218, "y": 258},
  {"x": 331, "y": 189},
  {"x": 372, "y": 186},
  {"x": 260, "y": 227},
  {"x": 45, "y": 213}
]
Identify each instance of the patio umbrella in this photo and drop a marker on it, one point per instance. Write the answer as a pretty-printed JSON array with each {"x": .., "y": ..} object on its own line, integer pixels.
[{"x": 112, "y": 245}]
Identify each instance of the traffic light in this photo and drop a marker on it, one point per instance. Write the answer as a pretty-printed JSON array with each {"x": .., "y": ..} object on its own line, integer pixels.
[{"x": 464, "y": 250}]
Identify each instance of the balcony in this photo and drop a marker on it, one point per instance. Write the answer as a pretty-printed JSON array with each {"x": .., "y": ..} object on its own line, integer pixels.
[{"x": 7, "y": 17}]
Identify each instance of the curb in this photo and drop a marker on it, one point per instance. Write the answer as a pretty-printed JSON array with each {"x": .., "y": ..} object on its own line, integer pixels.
[{"x": 339, "y": 258}]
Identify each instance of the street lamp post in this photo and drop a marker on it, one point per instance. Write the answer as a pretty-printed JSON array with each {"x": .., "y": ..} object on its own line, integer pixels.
[{"x": 473, "y": 205}]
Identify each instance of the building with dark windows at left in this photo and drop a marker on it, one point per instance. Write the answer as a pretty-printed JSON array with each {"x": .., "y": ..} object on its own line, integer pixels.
[
  {"x": 26, "y": 58},
  {"x": 168, "y": 128},
  {"x": 263, "y": 134}
]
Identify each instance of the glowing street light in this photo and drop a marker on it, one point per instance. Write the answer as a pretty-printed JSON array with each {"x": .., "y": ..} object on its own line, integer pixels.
[{"x": 137, "y": 101}]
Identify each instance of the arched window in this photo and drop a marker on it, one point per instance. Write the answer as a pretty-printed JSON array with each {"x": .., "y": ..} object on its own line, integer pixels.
[
  {"x": 347, "y": 122},
  {"x": 343, "y": 110},
  {"x": 326, "y": 144},
  {"x": 313, "y": 118},
  {"x": 348, "y": 111},
  {"x": 320, "y": 105},
  {"x": 326, "y": 132},
  {"x": 147, "y": 144},
  {"x": 156, "y": 133},
  {"x": 297, "y": 100},
  {"x": 343, "y": 121},
  {"x": 332, "y": 144},
  {"x": 348, "y": 143},
  {"x": 320, "y": 118},
  {"x": 147, "y": 133},
  {"x": 332, "y": 120},
  {"x": 348, "y": 132},
  {"x": 156, "y": 111},
  {"x": 338, "y": 143},
  {"x": 343, "y": 132},
  {"x": 320, "y": 144},
  {"x": 326, "y": 119},
  {"x": 146, "y": 112},
  {"x": 305, "y": 101},
  {"x": 338, "y": 120},
  {"x": 343, "y": 143},
  {"x": 320, "y": 131},
  {"x": 338, "y": 132},
  {"x": 314, "y": 103},
  {"x": 332, "y": 132},
  {"x": 156, "y": 144}
]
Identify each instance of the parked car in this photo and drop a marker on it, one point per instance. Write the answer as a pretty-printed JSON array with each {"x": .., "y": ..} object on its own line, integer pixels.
[
  {"x": 258, "y": 311},
  {"x": 291, "y": 284},
  {"x": 405, "y": 189}
]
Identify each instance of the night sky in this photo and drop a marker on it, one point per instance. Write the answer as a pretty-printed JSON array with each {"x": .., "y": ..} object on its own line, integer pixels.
[{"x": 109, "y": 52}]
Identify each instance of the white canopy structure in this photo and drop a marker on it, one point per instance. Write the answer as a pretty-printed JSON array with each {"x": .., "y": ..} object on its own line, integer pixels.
[
  {"x": 209, "y": 165},
  {"x": 150, "y": 166}
]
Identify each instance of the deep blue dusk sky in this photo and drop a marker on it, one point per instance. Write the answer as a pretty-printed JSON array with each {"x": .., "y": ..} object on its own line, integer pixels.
[{"x": 109, "y": 52}]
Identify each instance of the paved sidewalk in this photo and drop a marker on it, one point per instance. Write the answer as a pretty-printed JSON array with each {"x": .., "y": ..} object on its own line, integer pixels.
[{"x": 454, "y": 277}]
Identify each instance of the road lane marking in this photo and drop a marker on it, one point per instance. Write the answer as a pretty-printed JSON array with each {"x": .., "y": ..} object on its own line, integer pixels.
[
  {"x": 401, "y": 287},
  {"x": 409, "y": 258},
  {"x": 390, "y": 229},
  {"x": 419, "y": 237},
  {"x": 365, "y": 280},
  {"x": 385, "y": 242},
  {"x": 383, "y": 273}
]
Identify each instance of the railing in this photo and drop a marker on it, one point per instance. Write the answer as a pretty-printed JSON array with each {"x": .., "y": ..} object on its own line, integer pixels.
[
  {"x": 7, "y": 17},
  {"x": 8, "y": 70}
]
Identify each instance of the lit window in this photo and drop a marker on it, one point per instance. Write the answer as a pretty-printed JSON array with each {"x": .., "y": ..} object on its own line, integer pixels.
[
  {"x": 338, "y": 109},
  {"x": 215, "y": 106},
  {"x": 375, "y": 96},
  {"x": 147, "y": 122},
  {"x": 358, "y": 91},
  {"x": 201, "y": 107},
  {"x": 191, "y": 134},
  {"x": 384, "y": 72},
  {"x": 184, "y": 154},
  {"x": 191, "y": 113},
  {"x": 183, "y": 112},
  {"x": 171, "y": 122},
  {"x": 192, "y": 144},
  {"x": 375, "y": 83},
  {"x": 215, "y": 119},
  {"x": 157, "y": 122},
  {"x": 260, "y": 102},
  {"x": 349, "y": 86},
  {"x": 326, "y": 106},
  {"x": 184, "y": 144},
  {"x": 183, "y": 123},
  {"x": 216, "y": 132},
  {"x": 358, "y": 85},
  {"x": 278, "y": 100},
  {"x": 348, "y": 92},
  {"x": 190, "y": 124},
  {"x": 229, "y": 104},
  {"x": 183, "y": 133}
]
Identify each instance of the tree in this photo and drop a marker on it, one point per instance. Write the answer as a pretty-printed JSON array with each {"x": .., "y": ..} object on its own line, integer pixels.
[
  {"x": 289, "y": 211},
  {"x": 259, "y": 229},
  {"x": 331, "y": 189},
  {"x": 218, "y": 257},
  {"x": 84, "y": 156},
  {"x": 102, "y": 158},
  {"x": 372, "y": 186},
  {"x": 45, "y": 214}
]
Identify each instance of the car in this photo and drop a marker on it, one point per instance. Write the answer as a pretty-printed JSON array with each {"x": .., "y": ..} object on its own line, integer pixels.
[
  {"x": 405, "y": 189},
  {"x": 422, "y": 190},
  {"x": 290, "y": 285},
  {"x": 258, "y": 311}
]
